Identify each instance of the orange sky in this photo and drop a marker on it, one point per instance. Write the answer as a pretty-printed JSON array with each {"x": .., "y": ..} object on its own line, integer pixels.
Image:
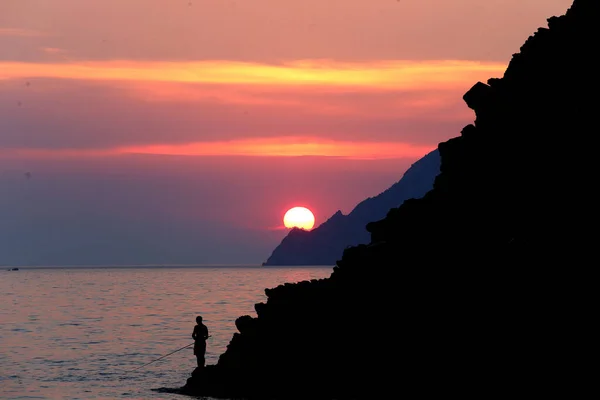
[{"x": 254, "y": 82}]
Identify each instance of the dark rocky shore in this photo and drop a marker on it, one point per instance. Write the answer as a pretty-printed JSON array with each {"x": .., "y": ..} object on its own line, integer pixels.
[{"x": 481, "y": 288}]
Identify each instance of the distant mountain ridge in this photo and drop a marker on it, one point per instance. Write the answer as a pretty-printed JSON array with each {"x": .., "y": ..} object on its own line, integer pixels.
[{"x": 325, "y": 244}]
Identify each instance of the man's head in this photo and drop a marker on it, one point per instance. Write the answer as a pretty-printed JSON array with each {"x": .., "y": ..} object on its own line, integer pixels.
[{"x": 198, "y": 319}]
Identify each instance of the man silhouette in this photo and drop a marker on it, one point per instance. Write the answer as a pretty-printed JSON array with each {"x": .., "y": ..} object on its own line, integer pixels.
[{"x": 200, "y": 335}]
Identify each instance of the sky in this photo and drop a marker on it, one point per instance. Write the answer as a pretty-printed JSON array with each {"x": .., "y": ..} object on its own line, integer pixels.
[{"x": 181, "y": 131}]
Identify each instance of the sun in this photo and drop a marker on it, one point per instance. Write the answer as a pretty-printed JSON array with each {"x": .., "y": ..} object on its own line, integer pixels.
[{"x": 299, "y": 217}]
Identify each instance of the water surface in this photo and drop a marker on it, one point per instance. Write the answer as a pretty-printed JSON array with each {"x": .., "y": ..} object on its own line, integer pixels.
[{"x": 77, "y": 333}]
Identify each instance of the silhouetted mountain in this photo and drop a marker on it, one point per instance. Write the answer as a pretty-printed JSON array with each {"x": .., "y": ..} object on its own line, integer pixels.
[
  {"x": 484, "y": 287},
  {"x": 325, "y": 244}
]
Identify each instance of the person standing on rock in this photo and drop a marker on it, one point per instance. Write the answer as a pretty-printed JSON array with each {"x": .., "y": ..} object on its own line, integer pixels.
[{"x": 200, "y": 335}]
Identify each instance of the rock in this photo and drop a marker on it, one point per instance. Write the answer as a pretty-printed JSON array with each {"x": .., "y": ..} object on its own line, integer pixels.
[
  {"x": 485, "y": 286},
  {"x": 477, "y": 96}
]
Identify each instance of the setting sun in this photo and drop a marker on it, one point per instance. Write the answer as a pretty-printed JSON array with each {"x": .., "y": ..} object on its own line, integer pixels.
[{"x": 299, "y": 217}]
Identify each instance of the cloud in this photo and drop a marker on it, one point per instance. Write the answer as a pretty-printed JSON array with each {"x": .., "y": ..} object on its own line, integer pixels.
[
  {"x": 320, "y": 100},
  {"x": 20, "y": 32},
  {"x": 100, "y": 115},
  {"x": 263, "y": 147},
  {"x": 53, "y": 50},
  {"x": 287, "y": 147},
  {"x": 277, "y": 228},
  {"x": 406, "y": 75}
]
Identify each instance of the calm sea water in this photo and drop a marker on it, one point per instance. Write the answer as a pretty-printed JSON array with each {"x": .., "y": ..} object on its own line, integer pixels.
[{"x": 77, "y": 333}]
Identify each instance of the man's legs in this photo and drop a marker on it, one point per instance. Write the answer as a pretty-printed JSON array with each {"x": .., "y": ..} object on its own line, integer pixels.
[
  {"x": 200, "y": 351},
  {"x": 200, "y": 360}
]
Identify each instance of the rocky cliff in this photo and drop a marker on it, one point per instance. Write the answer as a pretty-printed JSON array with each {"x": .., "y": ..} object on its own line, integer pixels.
[
  {"x": 483, "y": 287},
  {"x": 325, "y": 244}
]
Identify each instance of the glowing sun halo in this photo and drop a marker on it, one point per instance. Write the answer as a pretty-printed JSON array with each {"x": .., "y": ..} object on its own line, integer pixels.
[{"x": 299, "y": 217}]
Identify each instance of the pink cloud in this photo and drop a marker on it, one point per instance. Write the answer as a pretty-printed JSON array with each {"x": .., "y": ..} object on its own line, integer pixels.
[
  {"x": 53, "y": 50},
  {"x": 98, "y": 115},
  {"x": 20, "y": 32}
]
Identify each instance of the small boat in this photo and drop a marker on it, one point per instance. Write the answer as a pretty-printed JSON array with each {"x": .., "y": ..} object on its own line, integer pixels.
[{"x": 13, "y": 269}]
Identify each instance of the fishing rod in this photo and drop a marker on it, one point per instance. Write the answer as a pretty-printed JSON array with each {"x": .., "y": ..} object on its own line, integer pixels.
[{"x": 184, "y": 347}]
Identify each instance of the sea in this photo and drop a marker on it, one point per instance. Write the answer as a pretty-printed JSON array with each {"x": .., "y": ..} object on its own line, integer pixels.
[{"x": 104, "y": 332}]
